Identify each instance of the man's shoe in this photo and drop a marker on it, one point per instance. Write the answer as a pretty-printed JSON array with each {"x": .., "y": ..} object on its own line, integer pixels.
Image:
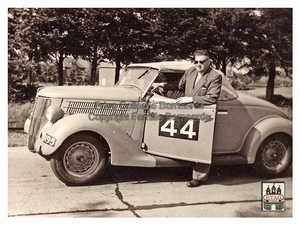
[{"x": 194, "y": 183}]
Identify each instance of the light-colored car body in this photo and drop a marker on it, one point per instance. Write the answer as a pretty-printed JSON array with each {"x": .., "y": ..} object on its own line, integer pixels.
[{"x": 78, "y": 128}]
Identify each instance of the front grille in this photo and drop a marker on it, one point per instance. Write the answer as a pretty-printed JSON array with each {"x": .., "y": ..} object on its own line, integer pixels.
[
  {"x": 38, "y": 119},
  {"x": 110, "y": 109}
]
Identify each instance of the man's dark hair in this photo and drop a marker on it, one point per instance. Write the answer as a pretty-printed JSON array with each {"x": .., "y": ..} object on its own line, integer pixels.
[{"x": 201, "y": 52}]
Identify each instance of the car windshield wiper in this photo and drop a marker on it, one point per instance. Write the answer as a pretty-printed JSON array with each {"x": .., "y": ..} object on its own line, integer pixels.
[{"x": 143, "y": 74}]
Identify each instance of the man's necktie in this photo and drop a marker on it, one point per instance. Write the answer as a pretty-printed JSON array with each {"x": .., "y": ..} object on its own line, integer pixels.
[{"x": 198, "y": 78}]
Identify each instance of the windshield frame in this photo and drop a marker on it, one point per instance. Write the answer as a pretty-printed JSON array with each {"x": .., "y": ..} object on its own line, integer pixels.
[
  {"x": 227, "y": 89},
  {"x": 147, "y": 72}
]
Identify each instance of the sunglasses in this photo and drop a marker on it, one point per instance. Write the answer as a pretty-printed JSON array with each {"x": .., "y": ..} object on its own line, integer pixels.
[{"x": 201, "y": 62}]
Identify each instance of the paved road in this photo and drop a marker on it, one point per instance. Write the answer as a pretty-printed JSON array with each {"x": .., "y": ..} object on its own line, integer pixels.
[{"x": 34, "y": 191}]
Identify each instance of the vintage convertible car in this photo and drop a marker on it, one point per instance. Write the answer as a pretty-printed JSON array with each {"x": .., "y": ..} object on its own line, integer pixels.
[{"x": 80, "y": 128}]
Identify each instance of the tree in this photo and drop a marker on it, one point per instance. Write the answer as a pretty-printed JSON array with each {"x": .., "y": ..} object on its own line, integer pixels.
[
  {"x": 229, "y": 34},
  {"x": 179, "y": 32},
  {"x": 21, "y": 68},
  {"x": 58, "y": 35},
  {"x": 272, "y": 44},
  {"x": 117, "y": 35},
  {"x": 48, "y": 72},
  {"x": 49, "y": 33},
  {"x": 91, "y": 25},
  {"x": 127, "y": 36}
]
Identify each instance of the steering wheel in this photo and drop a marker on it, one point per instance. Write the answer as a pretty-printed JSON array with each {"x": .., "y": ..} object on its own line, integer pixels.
[{"x": 158, "y": 90}]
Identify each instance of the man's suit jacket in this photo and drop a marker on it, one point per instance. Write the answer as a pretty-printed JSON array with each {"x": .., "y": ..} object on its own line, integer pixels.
[{"x": 206, "y": 91}]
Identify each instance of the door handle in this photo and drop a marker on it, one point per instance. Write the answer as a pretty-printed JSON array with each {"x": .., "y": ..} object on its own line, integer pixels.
[{"x": 222, "y": 112}]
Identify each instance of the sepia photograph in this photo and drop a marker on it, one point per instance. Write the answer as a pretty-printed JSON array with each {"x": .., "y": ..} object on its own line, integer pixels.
[{"x": 150, "y": 112}]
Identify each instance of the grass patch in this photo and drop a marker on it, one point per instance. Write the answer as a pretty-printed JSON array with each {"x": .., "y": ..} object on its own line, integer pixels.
[
  {"x": 18, "y": 113},
  {"x": 17, "y": 138}
]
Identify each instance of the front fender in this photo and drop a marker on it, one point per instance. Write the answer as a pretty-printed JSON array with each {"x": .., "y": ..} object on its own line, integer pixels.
[
  {"x": 261, "y": 131},
  {"x": 124, "y": 151}
]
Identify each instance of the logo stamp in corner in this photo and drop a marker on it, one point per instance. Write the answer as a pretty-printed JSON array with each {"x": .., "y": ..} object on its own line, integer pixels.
[{"x": 273, "y": 196}]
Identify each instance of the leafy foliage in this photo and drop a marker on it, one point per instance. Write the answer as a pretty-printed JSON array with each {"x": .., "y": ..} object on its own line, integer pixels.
[
  {"x": 275, "y": 29},
  {"x": 47, "y": 36}
]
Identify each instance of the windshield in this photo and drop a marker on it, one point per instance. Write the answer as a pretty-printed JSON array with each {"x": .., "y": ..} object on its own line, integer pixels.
[
  {"x": 227, "y": 91},
  {"x": 141, "y": 78}
]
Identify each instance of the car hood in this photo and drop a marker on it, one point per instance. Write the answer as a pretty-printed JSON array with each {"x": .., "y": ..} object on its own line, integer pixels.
[
  {"x": 249, "y": 100},
  {"x": 118, "y": 93}
]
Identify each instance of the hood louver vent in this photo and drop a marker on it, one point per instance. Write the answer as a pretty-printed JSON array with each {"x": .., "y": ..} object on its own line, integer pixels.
[{"x": 110, "y": 109}]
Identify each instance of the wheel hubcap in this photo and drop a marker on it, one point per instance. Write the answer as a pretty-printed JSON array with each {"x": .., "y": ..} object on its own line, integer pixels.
[
  {"x": 273, "y": 155},
  {"x": 81, "y": 159}
]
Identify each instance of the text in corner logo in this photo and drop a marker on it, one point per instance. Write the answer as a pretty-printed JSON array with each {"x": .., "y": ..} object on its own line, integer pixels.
[{"x": 273, "y": 196}]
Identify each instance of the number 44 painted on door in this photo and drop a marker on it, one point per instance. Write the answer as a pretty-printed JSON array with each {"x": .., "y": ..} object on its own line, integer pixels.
[{"x": 179, "y": 127}]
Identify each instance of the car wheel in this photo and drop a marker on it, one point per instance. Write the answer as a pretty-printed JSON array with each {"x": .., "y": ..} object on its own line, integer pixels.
[
  {"x": 80, "y": 160},
  {"x": 274, "y": 156}
]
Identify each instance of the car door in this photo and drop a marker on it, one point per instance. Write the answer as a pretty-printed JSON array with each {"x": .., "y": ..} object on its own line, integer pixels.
[{"x": 179, "y": 132}]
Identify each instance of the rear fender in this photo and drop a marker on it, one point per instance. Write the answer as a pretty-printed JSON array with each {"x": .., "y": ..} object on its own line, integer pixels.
[
  {"x": 124, "y": 151},
  {"x": 261, "y": 131}
]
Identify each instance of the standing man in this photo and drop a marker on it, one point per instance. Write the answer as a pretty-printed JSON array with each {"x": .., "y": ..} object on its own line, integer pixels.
[{"x": 202, "y": 85}]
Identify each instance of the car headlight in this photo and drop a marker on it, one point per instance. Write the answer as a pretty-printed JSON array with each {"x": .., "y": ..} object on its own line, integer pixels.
[{"x": 54, "y": 113}]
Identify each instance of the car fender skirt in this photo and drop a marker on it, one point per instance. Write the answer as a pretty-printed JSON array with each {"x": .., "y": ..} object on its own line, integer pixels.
[
  {"x": 124, "y": 150},
  {"x": 260, "y": 131}
]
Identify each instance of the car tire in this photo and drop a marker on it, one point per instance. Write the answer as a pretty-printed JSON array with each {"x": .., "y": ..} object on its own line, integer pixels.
[
  {"x": 80, "y": 160},
  {"x": 274, "y": 156}
]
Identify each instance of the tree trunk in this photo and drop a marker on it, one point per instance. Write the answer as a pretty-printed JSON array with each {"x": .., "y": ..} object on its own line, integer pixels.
[
  {"x": 223, "y": 69},
  {"x": 217, "y": 60},
  {"x": 29, "y": 78},
  {"x": 117, "y": 72},
  {"x": 61, "y": 70},
  {"x": 271, "y": 80},
  {"x": 94, "y": 71}
]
